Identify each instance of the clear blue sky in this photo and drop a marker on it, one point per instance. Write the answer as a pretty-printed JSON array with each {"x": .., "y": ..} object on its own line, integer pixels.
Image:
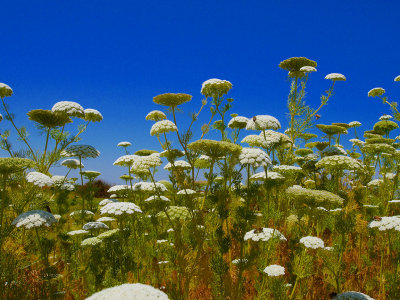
[{"x": 115, "y": 56}]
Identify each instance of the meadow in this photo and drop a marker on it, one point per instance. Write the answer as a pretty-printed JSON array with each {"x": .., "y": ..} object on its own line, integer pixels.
[{"x": 256, "y": 212}]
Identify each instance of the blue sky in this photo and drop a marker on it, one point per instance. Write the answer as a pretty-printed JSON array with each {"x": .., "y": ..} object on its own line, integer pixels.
[{"x": 115, "y": 56}]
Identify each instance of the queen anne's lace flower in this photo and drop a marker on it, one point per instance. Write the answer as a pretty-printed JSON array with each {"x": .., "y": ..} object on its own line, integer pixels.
[
  {"x": 376, "y": 92},
  {"x": 107, "y": 234},
  {"x": 375, "y": 182},
  {"x": 80, "y": 212},
  {"x": 263, "y": 122},
  {"x": 105, "y": 219},
  {"x": 149, "y": 187},
  {"x": 83, "y": 151},
  {"x": 163, "y": 126},
  {"x": 125, "y": 160},
  {"x": 255, "y": 141},
  {"x": 287, "y": 170},
  {"x": 271, "y": 175},
  {"x": 120, "y": 208},
  {"x": 264, "y": 235},
  {"x": 313, "y": 198},
  {"x": 128, "y": 291},
  {"x": 352, "y": 296},
  {"x": 386, "y": 223},
  {"x": 5, "y": 90},
  {"x": 333, "y": 150},
  {"x": 308, "y": 69},
  {"x": 385, "y": 117},
  {"x": 77, "y": 232},
  {"x": 357, "y": 142},
  {"x": 147, "y": 162},
  {"x": 186, "y": 192},
  {"x": 90, "y": 174},
  {"x": 179, "y": 164},
  {"x": 120, "y": 188},
  {"x": 354, "y": 124},
  {"x": 155, "y": 197},
  {"x": 34, "y": 219},
  {"x": 156, "y": 115},
  {"x": 338, "y": 162},
  {"x": 176, "y": 213},
  {"x": 94, "y": 225},
  {"x": 336, "y": 77},
  {"x": 238, "y": 122},
  {"x": 106, "y": 201},
  {"x": 93, "y": 241},
  {"x": 39, "y": 179},
  {"x": 254, "y": 157},
  {"x": 312, "y": 242},
  {"x": 71, "y": 108},
  {"x": 215, "y": 87},
  {"x": 71, "y": 163},
  {"x": 275, "y": 270},
  {"x": 93, "y": 115},
  {"x": 124, "y": 144}
]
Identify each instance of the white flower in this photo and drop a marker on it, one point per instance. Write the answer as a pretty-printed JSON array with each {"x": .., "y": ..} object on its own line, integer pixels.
[
  {"x": 357, "y": 142},
  {"x": 287, "y": 170},
  {"x": 274, "y": 270},
  {"x": 308, "y": 69},
  {"x": 5, "y": 90},
  {"x": 108, "y": 234},
  {"x": 240, "y": 261},
  {"x": 154, "y": 197},
  {"x": 338, "y": 162},
  {"x": 72, "y": 109},
  {"x": 263, "y": 235},
  {"x": 71, "y": 163},
  {"x": 94, "y": 225},
  {"x": 312, "y": 242},
  {"x": 93, "y": 241},
  {"x": 156, "y": 115},
  {"x": 186, "y": 192},
  {"x": 119, "y": 188},
  {"x": 397, "y": 78},
  {"x": 119, "y": 208},
  {"x": 270, "y": 175},
  {"x": 263, "y": 122},
  {"x": 255, "y": 141},
  {"x": 254, "y": 157},
  {"x": 333, "y": 150},
  {"x": 34, "y": 219},
  {"x": 376, "y": 92},
  {"x": 352, "y": 296},
  {"x": 238, "y": 122},
  {"x": 83, "y": 151},
  {"x": 354, "y": 124},
  {"x": 336, "y": 76},
  {"x": 80, "y": 212},
  {"x": 147, "y": 162},
  {"x": 128, "y": 291},
  {"x": 215, "y": 87},
  {"x": 394, "y": 201},
  {"x": 93, "y": 115},
  {"x": 179, "y": 164},
  {"x": 105, "y": 219},
  {"x": 163, "y": 126},
  {"x": 386, "y": 223},
  {"x": 385, "y": 117},
  {"x": 375, "y": 182},
  {"x": 124, "y": 144},
  {"x": 39, "y": 179},
  {"x": 77, "y": 232},
  {"x": 126, "y": 160},
  {"x": 106, "y": 201},
  {"x": 149, "y": 187}
]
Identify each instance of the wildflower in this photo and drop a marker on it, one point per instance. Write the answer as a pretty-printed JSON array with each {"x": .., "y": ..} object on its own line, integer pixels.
[
  {"x": 175, "y": 213},
  {"x": 274, "y": 270},
  {"x": 81, "y": 212},
  {"x": 172, "y": 100},
  {"x": 376, "y": 92},
  {"x": 147, "y": 152},
  {"x": 5, "y": 90},
  {"x": 394, "y": 201},
  {"x": 202, "y": 162},
  {"x": 264, "y": 234},
  {"x": 385, "y": 117},
  {"x": 149, "y": 187},
  {"x": 312, "y": 242},
  {"x": 270, "y": 176},
  {"x": 333, "y": 150},
  {"x": 353, "y": 296},
  {"x": 294, "y": 65},
  {"x": 215, "y": 87},
  {"x": 93, "y": 241},
  {"x": 289, "y": 171},
  {"x": 179, "y": 164},
  {"x": 130, "y": 291},
  {"x": 163, "y": 127},
  {"x": 125, "y": 160},
  {"x": 385, "y": 126},
  {"x": 9, "y": 165},
  {"x": 263, "y": 122},
  {"x": 240, "y": 261},
  {"x": 124, "y": 144},
  {"x": 335, "y": 77},
  {"x": 254, "y": 157},
  {"x": 77, "y": 232},
  {"x": 39, "y": 179},
  {"x": 48, "y": 118},
  {"x": 147, "y": 162},
  {"x": 106, "y": 201},
  {"x": 70, "y": 108},
  {"x": 107, "y": 234},
  {"x": 119, "y": 188},
  {"x": 338, "y": 162},
  {"x": 256, "y": 141},
  {"x": 386, "y": 223},
  {"x": 34, "y": 219},
  {"x": 90, "y": 174},
  {"x": 354, "y": 124},
  {"x": 72, "y": 163},
  {"x": 156, "y": 115},
  {"x": 238, "y": 122},
  {"x": 154, "y": 197},
  {"x": 120, "y": 208},
  {"x": 397, "y": 78},
  {"x": 313, "y": 198},
  {"x": 357, "y": 142},
  {"x": 94, "y": 225},
  {"x": 186, "y": 192},
  {"x": 172, "y": 154},
  {"x": 308, "y": 69},
  {"x": 214, "y": 149},
  {"x": 82, "y": 151},
  {"x": 92, "y": 115}
]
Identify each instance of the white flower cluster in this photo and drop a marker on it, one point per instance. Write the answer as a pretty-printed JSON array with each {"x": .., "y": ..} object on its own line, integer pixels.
[
  {"x": 375, "y": 182},
  {"x": 120, "y": 208},
  {"x": 255, "y": 141},
  {"x": 312, "y": 242},
  {"x": 354, "y": 124},
  {"x": 80, "y": 212},
  {"x": 338, "y": 162},
  {"x": 6, "y": 91},
  {"x": 77, "y": 232},
  {"x": 179, "y": 164},
  {"x": 93, "y": 241},
  {"x": 108, "y": 234},
  {"x": 333, "y": 150},
  {"x": 287, "y": 170},
  {"x": 186, "y": 192},
  {"x": 130, "y": 291},
  {"x": 254, "y": 157},
  {"x": 176, "y": 213},
  {"x": 271, "y": 175},
  {"x": 163, "y": 126},
  {"x": 215, "y": 87},
  {"x": 263, "y": 122},
  {"x": 124, "y": 144},
  {"x": 106, "y": 201},
  {"x": 386, "y": 223},
  {"x": 34, "y": 219},
  {"x": 93, "y": 115},
  {"x": 147, "y": 162},
  {"x": 83, "y": 151},
  {"x": 335, "y": 76},
  {"x": 105, "y": 219},
  {"x": 357, "y": 142},
  {"x": 149, "y": 187},
  {"x": 351, "y": 295},
  {"x": 39, "y": 179},
  {"x": 274, "y": 270},
  {"x": 94, "y": 225},
  {"x": 263, "y": 235},
  {"x": 71, "y": 163},
  {"x": 308, "y": 69},
  {"x": 71, "y": 108},
  {"x": 238, "y": 122},
  {"x": 119, "y": 188},
  {"x": 385, "y": 117},
  {"x": 155, "y": 197},
  {"x": 125, "y": 160},
  {"x": 156, "y": 115},
  {"x": 62, "y": 183}
]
